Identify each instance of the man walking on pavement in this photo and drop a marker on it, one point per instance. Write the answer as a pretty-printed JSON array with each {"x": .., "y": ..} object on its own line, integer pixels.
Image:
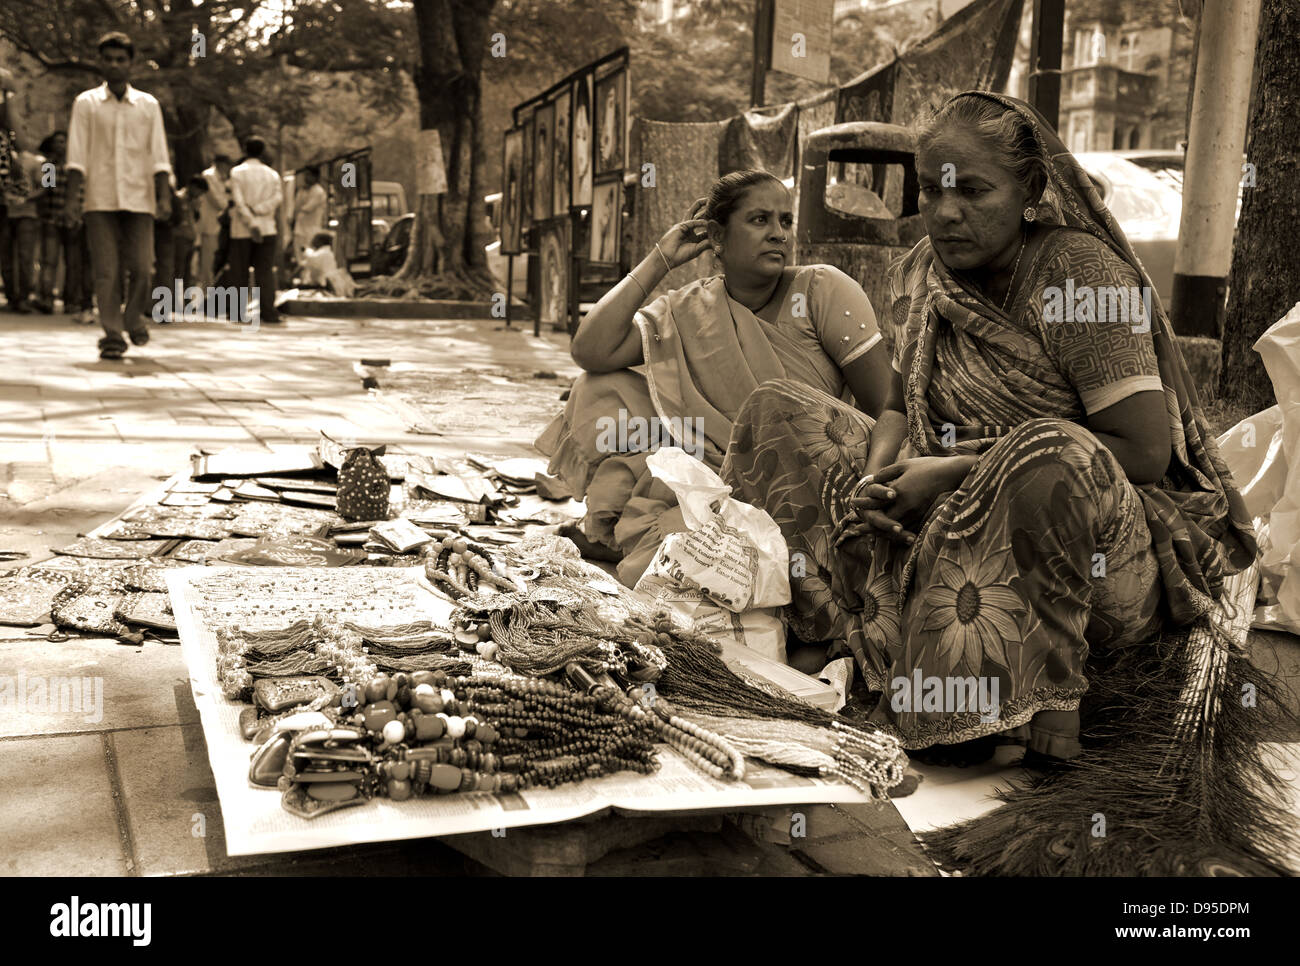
[
  {"x": 117, "y": 146},
  {"x": 256, "y": 191}
]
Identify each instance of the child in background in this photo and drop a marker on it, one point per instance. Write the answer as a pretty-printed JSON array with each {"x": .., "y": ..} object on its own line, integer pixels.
[{"x": 321, "y": 269}]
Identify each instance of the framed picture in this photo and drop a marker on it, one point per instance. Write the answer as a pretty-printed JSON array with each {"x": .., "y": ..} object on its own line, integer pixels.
[
  {"x": 543, "y": 151},
  {"x": 606, "y": 220},
  {"x": 582, "y": 157},
  {"x": 611, "y": 123},
  {"x": 560, "y": 176},
  {"x": 554, "y": 265},
  {"x": 526, "y": 180},
  {"x": 512, "y": 173}
]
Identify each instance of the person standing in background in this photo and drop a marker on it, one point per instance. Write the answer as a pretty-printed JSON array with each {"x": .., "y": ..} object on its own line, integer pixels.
[
  {"x": 61, "y": 238},
  {"x": 116, "y": 147},
  {"x": 21, "y": 192},
  {"x": 7, "y": 151},
  {"x": 189, "y": 203},
  {"x": 308, "y": 212},
  {"x": 164, "y": 257},
  {"x": 256, "y": 190},
  {"x": 216, "y": 205}
]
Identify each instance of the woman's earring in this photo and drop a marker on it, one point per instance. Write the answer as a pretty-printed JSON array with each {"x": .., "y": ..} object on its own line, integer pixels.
[{"x": 1031, "y": 214}]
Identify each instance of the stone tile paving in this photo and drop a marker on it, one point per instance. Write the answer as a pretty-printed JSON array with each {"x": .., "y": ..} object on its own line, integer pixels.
[{"x": 127, "y": 789}]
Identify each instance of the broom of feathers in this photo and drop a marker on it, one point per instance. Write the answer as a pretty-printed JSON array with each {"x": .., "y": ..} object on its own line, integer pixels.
[{"x": 1173, "y": 781}]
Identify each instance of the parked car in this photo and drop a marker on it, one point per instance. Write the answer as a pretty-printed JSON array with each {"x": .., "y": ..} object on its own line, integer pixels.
[
  {"x": 1144, "y": 191},
  {"x": 387, "y": 205},
  {"x": 391, "y": 252}
]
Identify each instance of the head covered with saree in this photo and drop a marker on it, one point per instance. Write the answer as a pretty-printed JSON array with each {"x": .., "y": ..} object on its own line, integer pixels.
[{"x": 993, "y": 374}]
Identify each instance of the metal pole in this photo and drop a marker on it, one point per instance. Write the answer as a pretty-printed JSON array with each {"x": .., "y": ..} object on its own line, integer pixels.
[
  {"x": 510, "y": 285},
  {"x": 1046, "y": 41},
  {"x": 763, "y": 12},
  {"x": 1213, "y": 168}
]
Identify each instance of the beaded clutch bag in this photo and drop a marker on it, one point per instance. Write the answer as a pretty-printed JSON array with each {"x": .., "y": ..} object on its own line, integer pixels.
[
  {"x": 364, "y": 487},
  {"x": 151, "y": 576},
  {"x": 130, "y": 549},
  {"x": 149, "y": 609},
  {"x": 25, "y": 596},
  {"x": 83, "y": 607}
]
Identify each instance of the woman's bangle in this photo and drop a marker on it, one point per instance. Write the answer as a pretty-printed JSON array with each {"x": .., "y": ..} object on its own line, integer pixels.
[
  {"x": 667, "y": 267},
  {"x": 644, "y": 293}
]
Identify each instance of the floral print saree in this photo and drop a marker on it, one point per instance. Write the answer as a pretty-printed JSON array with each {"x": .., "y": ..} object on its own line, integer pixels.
[{"x": 1046, "y": 550}]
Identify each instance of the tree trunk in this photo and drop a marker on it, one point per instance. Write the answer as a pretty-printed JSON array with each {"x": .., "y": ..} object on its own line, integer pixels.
[
  {"x": 446, "y": 247},
  {"x": 191, "y": 137},
  {"x": 1265, "y": 257}
]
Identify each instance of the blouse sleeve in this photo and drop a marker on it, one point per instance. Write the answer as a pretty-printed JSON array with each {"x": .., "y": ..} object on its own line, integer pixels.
[
  {"x": 842, "y": 316},
  {"x": 1096, "y": 323}
]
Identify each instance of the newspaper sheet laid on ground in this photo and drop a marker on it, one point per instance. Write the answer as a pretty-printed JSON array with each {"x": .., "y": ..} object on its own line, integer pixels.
[{"x": 268, "y": 597}]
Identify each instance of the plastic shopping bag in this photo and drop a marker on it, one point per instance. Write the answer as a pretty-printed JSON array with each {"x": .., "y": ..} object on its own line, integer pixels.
[
  {"x": 731, "y": 552},
  {"x": 1263, "y": 453}
]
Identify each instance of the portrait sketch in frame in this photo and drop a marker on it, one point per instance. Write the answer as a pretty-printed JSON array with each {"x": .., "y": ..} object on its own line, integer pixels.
[
  {"x": 582, "y": 154},
  {"x": 512, "y": 160},
  {"x": 606, "y": 220},
  {"x": 543, "y": 156},
  {"x": 611, "y": 123},
  {"x": 560, "y": 174}
]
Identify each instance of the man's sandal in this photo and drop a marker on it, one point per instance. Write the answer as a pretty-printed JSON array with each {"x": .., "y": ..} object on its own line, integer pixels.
[{"x": 111, "y": 348}]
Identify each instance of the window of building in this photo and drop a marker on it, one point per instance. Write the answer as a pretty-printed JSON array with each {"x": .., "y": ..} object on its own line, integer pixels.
[
  {"x": 1083, "y": 54},
  {"x": 1129, "y": 50}
]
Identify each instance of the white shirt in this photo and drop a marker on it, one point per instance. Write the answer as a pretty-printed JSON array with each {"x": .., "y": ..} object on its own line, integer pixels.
[
  {"x": 257, "y": 191},
  {"x": 119, "y": 145},
  {"x": 311, "y": 214},
  {"x": 213, "y": 203}
]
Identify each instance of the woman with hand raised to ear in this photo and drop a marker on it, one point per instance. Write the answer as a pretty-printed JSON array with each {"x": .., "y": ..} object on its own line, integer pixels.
[{"x": 698, "y": 352}]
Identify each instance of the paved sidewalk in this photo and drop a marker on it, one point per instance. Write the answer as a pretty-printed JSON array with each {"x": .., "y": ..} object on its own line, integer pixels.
[{"x": 81, "y": 439}]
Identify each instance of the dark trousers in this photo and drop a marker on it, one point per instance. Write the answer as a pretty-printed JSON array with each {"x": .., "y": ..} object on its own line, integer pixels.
[
  {"x": 183, "y": 258},
  {"x": 24, "y": 235},
  {"x": 162, "y": 263},
  {"x": 244, "y": 252},
  {"x": 121, "y": 247},
  {"x": 7, "y": 256},
  {"x": 62, "y": 241}
]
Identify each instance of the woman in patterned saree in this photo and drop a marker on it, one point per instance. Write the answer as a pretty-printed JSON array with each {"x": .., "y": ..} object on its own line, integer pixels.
[
  {"x": 1040, "y": 482},
  {"x": 686, "y": 362}
]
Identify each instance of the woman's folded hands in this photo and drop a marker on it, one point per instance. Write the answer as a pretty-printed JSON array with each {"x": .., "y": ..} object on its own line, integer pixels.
[{"x": 893, "y": 501}]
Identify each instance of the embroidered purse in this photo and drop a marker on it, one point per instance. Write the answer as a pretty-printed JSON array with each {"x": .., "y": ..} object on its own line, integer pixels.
[{"x": 364, "y": 488}]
